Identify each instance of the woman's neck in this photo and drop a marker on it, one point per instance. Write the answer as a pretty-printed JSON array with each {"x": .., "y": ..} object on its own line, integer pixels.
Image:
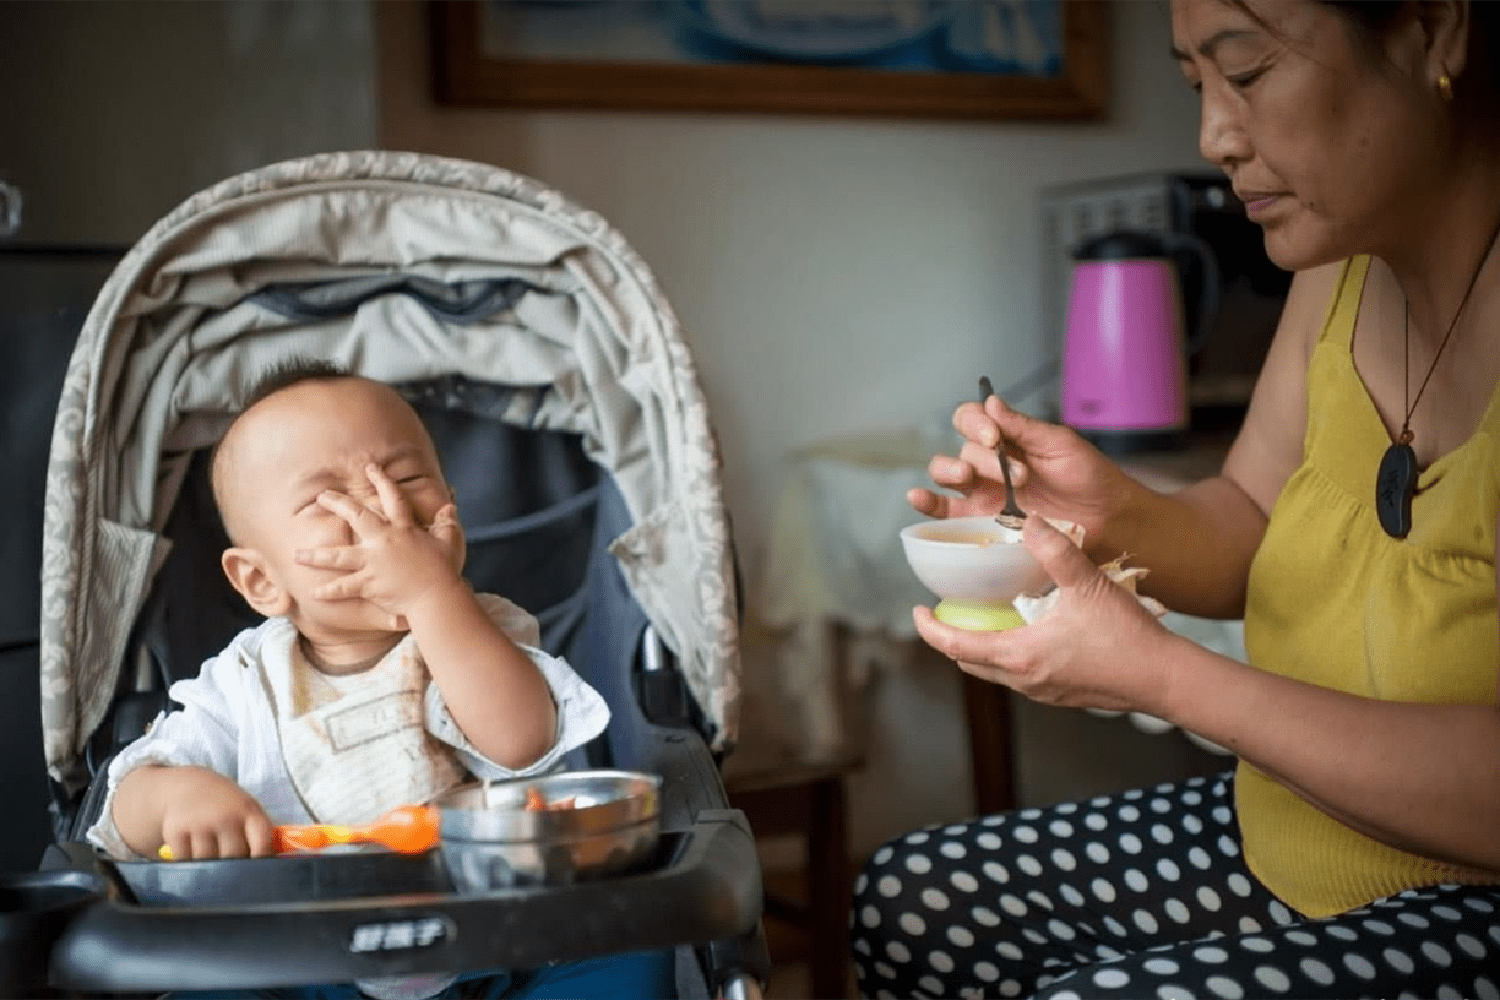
[{"x": 1435, "y": 256}]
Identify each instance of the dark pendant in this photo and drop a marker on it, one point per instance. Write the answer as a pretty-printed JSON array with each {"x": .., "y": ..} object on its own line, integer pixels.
[{"x": 1395, "y": 485}]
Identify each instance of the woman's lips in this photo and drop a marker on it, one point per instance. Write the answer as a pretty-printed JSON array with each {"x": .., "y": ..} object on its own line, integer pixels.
[{"x": 1260, "y": 202}]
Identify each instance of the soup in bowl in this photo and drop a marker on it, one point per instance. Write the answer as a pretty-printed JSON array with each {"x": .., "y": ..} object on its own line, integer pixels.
[{"x": 977, "y": 567}]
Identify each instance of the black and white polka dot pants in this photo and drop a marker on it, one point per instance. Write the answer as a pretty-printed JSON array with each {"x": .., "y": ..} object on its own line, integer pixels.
[{"x": 1144, "y": 894}]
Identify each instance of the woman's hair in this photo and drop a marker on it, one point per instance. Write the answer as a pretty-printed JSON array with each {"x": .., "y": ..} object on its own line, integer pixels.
[
  {"x": 1480, "y": 80},
  {"x": 1374, "y": 18}
]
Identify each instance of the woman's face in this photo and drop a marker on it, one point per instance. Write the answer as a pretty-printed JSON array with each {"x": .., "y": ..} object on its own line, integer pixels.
[{"x": 1327, "y": 140}]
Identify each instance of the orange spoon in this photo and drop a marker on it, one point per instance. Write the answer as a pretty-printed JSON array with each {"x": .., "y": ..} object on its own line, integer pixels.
[{"x": 407, "y": 830}]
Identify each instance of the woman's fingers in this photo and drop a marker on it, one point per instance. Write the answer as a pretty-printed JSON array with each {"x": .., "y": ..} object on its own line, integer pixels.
[
  {"x": 924, "y": 501},
  {"x": 985, "y": 462},
  {"x": 986, "y": 673},
  {"x": 1026, "y": 432},
  {"x": 984, "y": 425},
  {"x": 960, "y": 644},
  {"x": 1064, "y": 562},
  {"x": 975, "y": 424}
]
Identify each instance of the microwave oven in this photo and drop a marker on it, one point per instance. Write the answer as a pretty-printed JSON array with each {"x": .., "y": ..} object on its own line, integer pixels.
[{"x": 1252, "y": 289}]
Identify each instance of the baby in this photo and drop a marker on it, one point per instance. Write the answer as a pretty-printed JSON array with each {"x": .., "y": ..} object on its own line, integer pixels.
[{"x": 378, "y": 679}]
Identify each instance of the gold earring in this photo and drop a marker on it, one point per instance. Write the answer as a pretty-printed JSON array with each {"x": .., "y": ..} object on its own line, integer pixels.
[{"x": 1445, "y": 87}]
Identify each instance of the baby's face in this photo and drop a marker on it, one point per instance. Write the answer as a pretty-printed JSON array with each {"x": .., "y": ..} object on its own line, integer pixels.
[{"x": 312, "y": 437}]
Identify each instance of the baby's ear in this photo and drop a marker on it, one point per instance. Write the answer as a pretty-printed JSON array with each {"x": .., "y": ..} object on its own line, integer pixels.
[{"x": 248, "y": 574}]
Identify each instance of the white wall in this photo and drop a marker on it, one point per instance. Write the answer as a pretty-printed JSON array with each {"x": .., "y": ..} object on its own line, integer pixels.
[
  {"x": 113, "y": 111},
  {"x": 834, "y": 275},
  {"x": 837, "y": 276}
]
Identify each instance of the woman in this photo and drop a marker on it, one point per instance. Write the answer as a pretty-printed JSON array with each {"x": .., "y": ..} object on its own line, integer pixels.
[{"x": 1356, "y": 848}]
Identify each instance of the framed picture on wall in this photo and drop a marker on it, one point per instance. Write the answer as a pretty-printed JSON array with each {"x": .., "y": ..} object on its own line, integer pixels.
[{"x": 999, "y": 59}]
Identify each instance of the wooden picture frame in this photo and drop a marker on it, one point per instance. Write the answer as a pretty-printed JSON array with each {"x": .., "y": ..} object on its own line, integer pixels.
[{"x": 466, "y": 76}]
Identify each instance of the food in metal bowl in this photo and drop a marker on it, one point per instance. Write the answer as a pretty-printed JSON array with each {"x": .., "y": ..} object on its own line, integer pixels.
[{"x": 551, "y": 830}]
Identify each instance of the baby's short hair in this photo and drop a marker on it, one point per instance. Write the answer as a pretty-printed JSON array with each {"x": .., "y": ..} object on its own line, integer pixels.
[
  {"x": 284, "y": 374},
  {"x": 289, "y": 372}
]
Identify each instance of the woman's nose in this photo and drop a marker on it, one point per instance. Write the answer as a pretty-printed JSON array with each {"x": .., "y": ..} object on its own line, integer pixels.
[{"x": 1221, "y": 135}]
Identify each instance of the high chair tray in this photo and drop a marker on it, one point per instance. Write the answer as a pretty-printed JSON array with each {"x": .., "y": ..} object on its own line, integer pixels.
[
  {"x": 694, "y": 891},
  {"x": 292, "y": 878}
]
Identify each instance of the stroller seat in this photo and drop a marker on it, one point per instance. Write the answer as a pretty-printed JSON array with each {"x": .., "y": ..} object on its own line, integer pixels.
[{"x": 551, "y": 375}]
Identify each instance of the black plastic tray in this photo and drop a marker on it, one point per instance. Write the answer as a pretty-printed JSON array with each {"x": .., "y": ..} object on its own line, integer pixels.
[
  {"x": 291, "y": 878},
  {"x": 694, "y": 892},
  {"x": 35, "y": 908}
]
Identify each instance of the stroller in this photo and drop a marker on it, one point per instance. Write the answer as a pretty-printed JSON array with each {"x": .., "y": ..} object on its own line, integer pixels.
[{"x": 552, "y": 376}]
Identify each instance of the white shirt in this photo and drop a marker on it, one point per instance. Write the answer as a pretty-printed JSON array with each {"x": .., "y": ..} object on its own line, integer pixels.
[{"x": 228, "y": 722}]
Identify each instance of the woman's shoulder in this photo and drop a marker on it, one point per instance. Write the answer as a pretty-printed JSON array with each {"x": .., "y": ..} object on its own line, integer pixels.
[
  {"x": 1316, "y": 294},
  {"x": 1269, "y": 446}
]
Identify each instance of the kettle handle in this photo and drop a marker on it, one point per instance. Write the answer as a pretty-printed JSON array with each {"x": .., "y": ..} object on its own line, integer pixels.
[{"x": 1180, "y": 244}]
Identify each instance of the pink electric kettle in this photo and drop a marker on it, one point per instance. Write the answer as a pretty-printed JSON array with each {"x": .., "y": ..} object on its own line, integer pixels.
[{"x": 1124, "y": 372}]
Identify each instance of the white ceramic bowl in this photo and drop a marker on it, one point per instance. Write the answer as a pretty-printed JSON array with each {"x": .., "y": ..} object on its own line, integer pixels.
[{"x": 972, "y": 560}]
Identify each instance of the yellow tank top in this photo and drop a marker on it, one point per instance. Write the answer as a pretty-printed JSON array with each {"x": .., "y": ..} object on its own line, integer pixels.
[{"x": 1334, "y": 601}]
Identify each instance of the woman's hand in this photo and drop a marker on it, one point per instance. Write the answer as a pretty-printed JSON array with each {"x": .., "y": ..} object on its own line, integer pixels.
[
  {"x": 1097, "y": 648},
  {"x": 1055, "y": 471}
]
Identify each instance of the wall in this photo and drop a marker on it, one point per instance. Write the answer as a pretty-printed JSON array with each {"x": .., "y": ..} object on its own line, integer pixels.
[
  {"x": 113, "y": 111},
  {"x": 836, "y": 276},
  {"x": 833, "y": 274},
  {"x": 110, "y": 114}
]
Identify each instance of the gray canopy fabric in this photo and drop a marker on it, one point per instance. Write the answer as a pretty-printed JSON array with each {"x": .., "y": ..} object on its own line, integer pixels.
[{"x": 179, "y": 330}]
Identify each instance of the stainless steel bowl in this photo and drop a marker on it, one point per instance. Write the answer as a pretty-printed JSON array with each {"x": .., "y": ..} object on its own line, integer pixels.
[{"x": 490, "y": 839}]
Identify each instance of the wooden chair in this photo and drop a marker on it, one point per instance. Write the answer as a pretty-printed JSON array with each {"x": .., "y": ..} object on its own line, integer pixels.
[
  {"x": 783, "y": 796},
  {"x": 808, "y": 801}
]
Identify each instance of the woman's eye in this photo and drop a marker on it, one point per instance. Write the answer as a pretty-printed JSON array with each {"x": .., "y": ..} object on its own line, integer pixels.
[
  {"x": 1244, "y": 80},
  {"x": 404, "y": 480}
]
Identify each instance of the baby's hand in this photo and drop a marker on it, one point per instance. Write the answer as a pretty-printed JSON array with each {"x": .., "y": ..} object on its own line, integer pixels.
[
  {"x": 395, "y": 562},
  {"x": 209, "y": 816}
]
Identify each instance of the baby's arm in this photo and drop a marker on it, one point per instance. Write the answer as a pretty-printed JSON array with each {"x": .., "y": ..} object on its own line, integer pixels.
[
  {"x": 582, "y": 714},
  {"x": 495, "y": 693},
  {"x": 175, "y": 786},
  {"x": 193, "y": 810}
]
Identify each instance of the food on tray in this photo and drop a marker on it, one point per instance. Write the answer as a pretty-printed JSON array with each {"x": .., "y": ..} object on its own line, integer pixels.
[{"x": 537, "y": 802}]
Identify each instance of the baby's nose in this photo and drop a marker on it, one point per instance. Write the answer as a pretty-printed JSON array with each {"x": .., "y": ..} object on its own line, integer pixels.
[{"x": 368, "y": 499}]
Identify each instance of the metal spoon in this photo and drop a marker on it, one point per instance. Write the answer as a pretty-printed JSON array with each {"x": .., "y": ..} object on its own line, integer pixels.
[{"x": 1011, "y": 515}]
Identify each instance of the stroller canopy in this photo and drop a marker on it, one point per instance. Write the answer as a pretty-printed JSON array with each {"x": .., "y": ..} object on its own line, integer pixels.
[{"x": 407, "y": 269}]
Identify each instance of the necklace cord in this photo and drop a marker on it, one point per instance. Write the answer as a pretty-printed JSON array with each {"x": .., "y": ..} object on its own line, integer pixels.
[{"x": 1406, "y": 434}]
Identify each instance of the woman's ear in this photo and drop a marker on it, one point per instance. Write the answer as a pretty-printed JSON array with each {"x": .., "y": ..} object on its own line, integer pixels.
[
  {"x": 1446, "y": 26},
  {"x": 248, "y": 574}
]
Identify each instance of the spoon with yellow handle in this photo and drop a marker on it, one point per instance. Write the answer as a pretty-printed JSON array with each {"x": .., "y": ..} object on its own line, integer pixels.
[{"x": 407, "y": 830}]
